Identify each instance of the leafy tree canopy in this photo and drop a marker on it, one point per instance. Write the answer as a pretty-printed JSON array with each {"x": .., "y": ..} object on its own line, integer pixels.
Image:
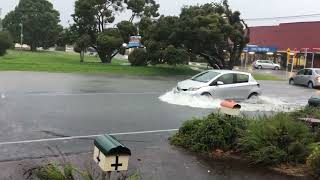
[
  {"x": 127, "y": 29},
  {"x": 108, "y": 42},
  {"x": 215, "y": 32},
  {"x": 5, "y": 42},
  {"x": 210, "y": 30},
  {"x": 40, "y": 23},
  {"x": 91, "y": 18},
  {"x": 142, "y": 8}
]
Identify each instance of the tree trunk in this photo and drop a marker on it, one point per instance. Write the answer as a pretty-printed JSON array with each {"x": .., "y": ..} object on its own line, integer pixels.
[
  {"x": 109, "y": 58},
  {"x": 102, "y": 56},
  {"x": 33, "y": 47},
  {"x": 81, "y": 56}
]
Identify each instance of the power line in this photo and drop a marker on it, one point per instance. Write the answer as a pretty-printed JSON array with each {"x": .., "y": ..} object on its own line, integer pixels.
[{"x": 283, "y": 17}]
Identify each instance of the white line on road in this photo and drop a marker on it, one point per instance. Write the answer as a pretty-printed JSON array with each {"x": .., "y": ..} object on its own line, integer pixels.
[
  {"x": 83, "y": 137},
  {"x": 92, "y": 94}
]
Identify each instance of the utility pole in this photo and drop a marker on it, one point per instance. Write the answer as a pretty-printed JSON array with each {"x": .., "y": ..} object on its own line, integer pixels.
[
  {"x": 0, "y": 19},
  {"x": 305, "y": 57}
]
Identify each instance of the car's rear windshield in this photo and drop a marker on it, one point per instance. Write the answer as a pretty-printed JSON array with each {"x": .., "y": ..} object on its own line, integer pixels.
[{"x": 206, "y": 76}]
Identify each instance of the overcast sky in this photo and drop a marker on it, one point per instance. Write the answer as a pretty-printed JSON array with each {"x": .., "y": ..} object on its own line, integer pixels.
[{"x": 249, "y": 9}]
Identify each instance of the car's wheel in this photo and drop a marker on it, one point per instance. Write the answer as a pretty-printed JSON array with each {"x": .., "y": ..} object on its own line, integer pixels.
[
  {"x": 259, "y": 67},
  {"x": 206, "y": 94},
  {"x": 291, "y": 82},
  {"x": 310, "y": 85},
  {"x": 276, "y": 68},
  {"x": 253, "y": 95}
]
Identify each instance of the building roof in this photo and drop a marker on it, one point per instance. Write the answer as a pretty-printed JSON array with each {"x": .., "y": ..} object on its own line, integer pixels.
[{"x": 297, "y": 36}]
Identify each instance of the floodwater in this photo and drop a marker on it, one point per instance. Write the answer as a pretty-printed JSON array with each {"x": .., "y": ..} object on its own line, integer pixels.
[
  {"x": 277, "y": 96},
  {"x": 261, "y": 103}
]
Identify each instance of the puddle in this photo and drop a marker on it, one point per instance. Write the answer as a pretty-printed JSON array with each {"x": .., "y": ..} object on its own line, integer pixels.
[{"x": 260, "y": 104}]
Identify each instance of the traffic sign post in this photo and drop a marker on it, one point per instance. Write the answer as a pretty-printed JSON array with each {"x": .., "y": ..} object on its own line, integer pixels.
[{"x": 288, "y": 59}]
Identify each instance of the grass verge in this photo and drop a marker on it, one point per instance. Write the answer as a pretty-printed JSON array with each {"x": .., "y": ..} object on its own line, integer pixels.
[
  {"x": 266, "y": 77},
  {"x": 69, "y": 62}
]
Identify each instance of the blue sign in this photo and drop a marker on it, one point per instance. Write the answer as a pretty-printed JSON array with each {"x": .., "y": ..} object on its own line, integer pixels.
[
  {"x": 260, "y": 49},
  {"x": 134, "y": 44},
  {"x": 135, "y": 41}
]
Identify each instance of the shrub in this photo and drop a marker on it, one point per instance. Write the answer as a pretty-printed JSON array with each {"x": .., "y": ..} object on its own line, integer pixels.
[
  {"x": 138, "y": 57},
  {"x": 54, "y": 172},
  {"x": 307, "y": 112},
  {"x": 174, "y": 56},
  {"x": 313, "y": 161},
  {"x": 68, "y": 172},
  {"x": 213, "y": 132},
  {"x": 5, "y": 42},
  {"x": 276, "y": 139}
]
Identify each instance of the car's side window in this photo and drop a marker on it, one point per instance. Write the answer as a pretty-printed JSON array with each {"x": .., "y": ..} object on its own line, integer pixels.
[
  {"x": 308, "y": 72},
  {"x": 301, "y": 72},
  {"x": 226, "y": 79},
  {"x": 242, "y": 78}
]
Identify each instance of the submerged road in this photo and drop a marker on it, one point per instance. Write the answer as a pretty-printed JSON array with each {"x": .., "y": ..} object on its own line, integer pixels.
[{"x": 52, "y": 105}]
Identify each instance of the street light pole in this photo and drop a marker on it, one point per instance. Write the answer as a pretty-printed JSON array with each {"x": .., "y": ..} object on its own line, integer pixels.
[
  {"x": 0, "y": 19},
  {"x": 21, "y": 35}
]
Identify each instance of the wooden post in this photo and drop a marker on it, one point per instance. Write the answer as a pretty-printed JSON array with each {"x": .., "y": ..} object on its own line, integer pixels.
[{"x": 312, "y": 59}]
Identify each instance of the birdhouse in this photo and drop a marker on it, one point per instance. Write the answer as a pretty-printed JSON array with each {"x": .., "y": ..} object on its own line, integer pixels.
[
  {"x": 110, "y": 154},
  {"x": 230, "y": 108}
]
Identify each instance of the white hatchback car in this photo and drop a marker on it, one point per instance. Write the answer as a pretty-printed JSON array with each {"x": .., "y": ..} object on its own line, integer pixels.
[
  {"x": 222, "y": 84},
  {"x": 266, "y": 64}
]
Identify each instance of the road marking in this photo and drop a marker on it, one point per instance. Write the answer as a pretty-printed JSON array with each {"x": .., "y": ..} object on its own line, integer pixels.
[
  {"x": 83, "y": 137},
  {"x": 91, "y": 94}
]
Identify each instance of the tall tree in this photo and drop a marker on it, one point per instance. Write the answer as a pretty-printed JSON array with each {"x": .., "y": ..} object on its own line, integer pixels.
[
  {"x": 127, "y": 29},
  {"x": 82, "y": 45},
  {"x": 5, "y": 42},
  {"x": 92, "y": 17},
  {"x": 108, "y": 42},
  {"x": 158, "y": 35},
  {"x": 40, "y": 23},
  {"x": 214, "y": 32},
  {"x": 142, "y": 8}
]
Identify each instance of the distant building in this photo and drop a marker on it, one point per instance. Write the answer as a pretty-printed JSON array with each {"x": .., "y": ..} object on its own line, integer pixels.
[{"x": 300, "y": 37}]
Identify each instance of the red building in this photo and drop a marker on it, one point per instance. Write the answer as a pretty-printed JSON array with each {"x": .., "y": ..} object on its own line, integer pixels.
[{"x": 296, "y": 36}]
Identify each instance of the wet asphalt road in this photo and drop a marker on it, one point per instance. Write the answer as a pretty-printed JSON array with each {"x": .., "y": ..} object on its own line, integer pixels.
[{"x": 46, "y": 105}]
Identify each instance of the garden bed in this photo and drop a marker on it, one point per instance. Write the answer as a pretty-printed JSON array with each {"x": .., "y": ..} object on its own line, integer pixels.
[{"x": 277, "y": 142}]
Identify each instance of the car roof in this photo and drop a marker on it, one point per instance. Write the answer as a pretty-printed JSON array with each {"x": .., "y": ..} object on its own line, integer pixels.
[
  {"x": 313, "y": 68},
  {"x": 228, "y": 71}
]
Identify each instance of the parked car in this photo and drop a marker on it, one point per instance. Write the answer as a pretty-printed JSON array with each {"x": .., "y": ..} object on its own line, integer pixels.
[
  {"x": 308, "y": 77},
  {"x": 222, "y": 84},
  {"x": 266, "y": 64}
]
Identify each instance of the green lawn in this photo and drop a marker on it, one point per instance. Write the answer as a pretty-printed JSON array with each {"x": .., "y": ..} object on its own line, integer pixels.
[
  {"x": 69, "y": 62},
  {"x": 266, "y": 77}
]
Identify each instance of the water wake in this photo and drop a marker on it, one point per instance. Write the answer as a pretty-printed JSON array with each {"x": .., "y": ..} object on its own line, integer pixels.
[{"x": 261, "y": 103}]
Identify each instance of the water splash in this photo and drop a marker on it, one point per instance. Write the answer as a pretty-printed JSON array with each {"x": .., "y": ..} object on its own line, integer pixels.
[{"x": 259, "y": 104}]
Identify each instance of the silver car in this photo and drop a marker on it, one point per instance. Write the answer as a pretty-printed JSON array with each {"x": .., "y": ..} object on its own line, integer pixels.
[
  {"x": 266, "y": 64},
  {"x": 222, "y": 84},
  {"x": 308, "y": 77}
]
